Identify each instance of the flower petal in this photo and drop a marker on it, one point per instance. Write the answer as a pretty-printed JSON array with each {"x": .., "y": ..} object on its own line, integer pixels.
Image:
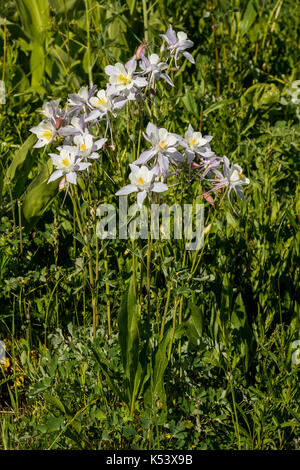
[
  {"x": 159, "y": 187},
  {"x": 130, "y": 188},
  {"x": 141, "y": 197},
  {"x": 55, "y": 175}
]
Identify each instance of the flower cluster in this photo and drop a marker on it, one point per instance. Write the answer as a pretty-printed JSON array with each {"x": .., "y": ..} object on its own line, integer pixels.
[
  {"x": 73, "y": 129},
  {"x": 171, "y": 154}
]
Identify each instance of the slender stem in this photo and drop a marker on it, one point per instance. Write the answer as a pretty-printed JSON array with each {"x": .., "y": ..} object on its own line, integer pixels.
[
  {"x": 88, "y": 40},
  {"x": 165, "y": 313},
  {"x": 148, "y": 272},
  {"x": 145, "y": 16}
]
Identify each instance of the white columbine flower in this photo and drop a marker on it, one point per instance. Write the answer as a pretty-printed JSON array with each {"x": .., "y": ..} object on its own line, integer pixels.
[
  {"x": 45, "y": 132},
  {"x": 68, "y": 163},
  {"x": 234, "y": 178},
  {"x": 194, "y": 143},
  {"x": 164, "y": 145},
  {"x": 122, "y": 78},
  {"x": 82, "y": 98},
  {"x": 177, "y": 43},
  {"x": 87, "y": 147},
  {"x": 142, "y": 182},
  {"x": 154, "y": 68},
  {"x": 101, "y": 102}
]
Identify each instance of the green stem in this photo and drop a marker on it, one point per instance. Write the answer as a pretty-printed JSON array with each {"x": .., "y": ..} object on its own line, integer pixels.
[{"x": 145, "y": 17}]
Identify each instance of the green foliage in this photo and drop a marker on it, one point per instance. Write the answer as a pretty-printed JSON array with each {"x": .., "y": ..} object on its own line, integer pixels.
[{"x": 202, "y": 359}]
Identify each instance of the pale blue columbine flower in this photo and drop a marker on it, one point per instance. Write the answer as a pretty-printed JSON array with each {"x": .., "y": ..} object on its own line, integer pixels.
[
  {"x": 68, "y": 163},
  {"x": 141, "y": 182},
  {"x": 164, "y": 148},
  {"x": 178, "y": 43},
  {"x": 194, "y": 143},
  {"x": 155, "y": 69},
  {"x": 87, "y": 147}
]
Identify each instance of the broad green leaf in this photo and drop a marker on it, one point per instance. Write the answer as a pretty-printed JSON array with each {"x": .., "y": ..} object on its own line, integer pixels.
[
  {"x": 129, "y": 334},
  {"x": 261, "y": 95},
  {"x": 131, "y": 5},
  {"x": 107, "y": 374},
  {"x": 248, "y": 19},
  {"x": 20, "y": 166},
  {"x": 38, "y": 196},
  {"x": 55, "y": 402},
  {"x": 194, "y": 324},
  {"x": 37, "y": 64},
  {"x": 217, "y": 105},
  {"x": 190, "y": 103},
  {"x": 35, "y": 17},
  {"x": 155, "y": 391},
  {"x": 61, "y": 6}
]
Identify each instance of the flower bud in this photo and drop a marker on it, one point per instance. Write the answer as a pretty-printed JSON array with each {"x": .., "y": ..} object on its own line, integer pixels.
[{"x": 140, "y": 51}]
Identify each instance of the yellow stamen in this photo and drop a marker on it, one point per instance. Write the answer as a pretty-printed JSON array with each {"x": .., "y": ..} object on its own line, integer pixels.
[
  {"x": 124, "y": 80},
  {"x": 47, "y": 135},
  {"x": 101, "y": 102},
  {"x": 162, "y": 144},
  {"x": 82, "y": 147},
  {"x": 66, "y": 162},
  {"x": 241, "y": 176},
  {"x": 192, "y": 142},
  {"x": 141, "y": 180}
]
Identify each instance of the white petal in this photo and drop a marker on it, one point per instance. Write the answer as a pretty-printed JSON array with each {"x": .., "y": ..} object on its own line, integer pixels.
[
  {"x": 55, "y": 175},
  {"x": 130, "y": 188},
  {"x": 141, "y": 197},
  {"x": 71, "y": 177},
  {"x": 159, "y": 187}
]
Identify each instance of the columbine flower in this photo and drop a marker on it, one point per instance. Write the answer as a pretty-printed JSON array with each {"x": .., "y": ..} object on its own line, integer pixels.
[
  {"x": 193, "y": 143},
  {"x": 178, "y": 43},
  {"x": 45, "y": 132},
  {"x": 105, "y": 103},
  {"x": 78, "y": 126},
  {"x": 142, "y": 182},
  {"x": 51, "y": 110},
  {"x": 82, "y": 98},
  {"x": 87, "y": 147},
  {"x": 67, "y": 163},
  {"x": 122, "y": 78},
  {"x": 234, "y": 179},
  {"x": 101, "y": 101},
  {"x": 163, "y": 144},
  {"x": 154, "y": 68}
]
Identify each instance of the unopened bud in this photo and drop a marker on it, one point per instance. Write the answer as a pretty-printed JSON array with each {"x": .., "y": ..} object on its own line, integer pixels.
[
  {"x": 62, "y": 183},
  {"x": 140, "y": 51},
  {"x": 195, "y": 165},
  {"x": 208, "y": 198}
]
